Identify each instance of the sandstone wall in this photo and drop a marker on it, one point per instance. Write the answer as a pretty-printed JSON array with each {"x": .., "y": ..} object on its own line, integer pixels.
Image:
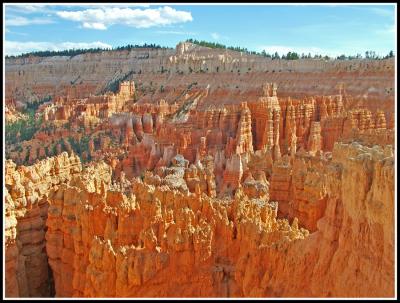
[
  {"x": 156, "y": 238},
  {"x": 28, "y": 273},
  {"x": 29, "y": 78},
  {"x": 351, "y": 252}
]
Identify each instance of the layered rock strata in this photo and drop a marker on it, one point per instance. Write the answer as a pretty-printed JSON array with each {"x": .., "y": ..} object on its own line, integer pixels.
[
  {"x": 351, "y": 252},
  {"x": 27, "y": 189},
  {"x": 165, "y": 237},
  {"x": 34, "y": 77}
]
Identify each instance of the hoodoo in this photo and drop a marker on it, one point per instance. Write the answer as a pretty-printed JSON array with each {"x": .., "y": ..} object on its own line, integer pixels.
[{"x": 197, "y": 171}]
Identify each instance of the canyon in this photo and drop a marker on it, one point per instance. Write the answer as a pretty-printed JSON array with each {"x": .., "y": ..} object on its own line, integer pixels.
[{"x": 197, "y": 172}]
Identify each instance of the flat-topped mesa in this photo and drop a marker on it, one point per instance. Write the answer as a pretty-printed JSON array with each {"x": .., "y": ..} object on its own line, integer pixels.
[{"x": 308, "y": 190}]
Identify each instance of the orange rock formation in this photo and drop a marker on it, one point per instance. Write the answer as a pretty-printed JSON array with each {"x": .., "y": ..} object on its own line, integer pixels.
[
  {"x": 199, "y": 178},
  {"x": 156, "y": 238}
]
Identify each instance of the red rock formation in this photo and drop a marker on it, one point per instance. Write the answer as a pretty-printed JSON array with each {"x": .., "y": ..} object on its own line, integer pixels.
[
  {"x": 174, "y": 236},
  {"x": 207, "y": 129},
  {"x": 102, "y": 106},
  {"x": 308, "y": 191},
  {"x": 314, "y": 139},
  {"x": 27, "y": 209},
  {"x": 348, "y": 230},
  {"x": 244, "y": 139},
  {"x": 187, "y": 181},
  {"x": 29, "y": 78},
  {"x": 232, "y": 174},
  {"x": 103, "y": 240},
  {"x": 148, "y": 123},
  {"x": 380, "y": 122},
  {"x": 280, "y": 184},
  {"x": 265, "y": 120}
]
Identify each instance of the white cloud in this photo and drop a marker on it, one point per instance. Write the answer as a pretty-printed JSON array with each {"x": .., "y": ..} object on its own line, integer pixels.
[
  {"x": 51, "y": 8},
  {"x": 175, "y": 33},
  {"x": 17, "y": 48},
  {"x": 94, "y": 25},
  {"x": 129, "y": 5},
  {"x": 215, "y": 36},
  {"x": 102, "y": 5},
  {"x": 101, "y": 18},
  {"x": 22, "y": 21},
  {"x": 28, "y": 9}
]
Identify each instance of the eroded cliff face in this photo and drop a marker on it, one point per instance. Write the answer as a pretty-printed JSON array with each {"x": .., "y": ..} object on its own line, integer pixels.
[
  {"x": 350, "y": 252},
  {"x": 166, "y": 235},
  {"x": 132, "y": 245},
  {"x": 198, "y": 179},
  {"x": 138, "y": 136},
  {"x": 26, "y": 209},
  {"x": 232, "y": 75}
]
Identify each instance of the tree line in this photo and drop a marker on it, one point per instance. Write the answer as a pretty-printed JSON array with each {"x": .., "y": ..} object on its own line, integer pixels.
[
  {"x": 263, "y": 53},
  {"x": 74, "y": 52},
  {"x": 290, "y": 55},
  {"x": 219, "y": 45}
]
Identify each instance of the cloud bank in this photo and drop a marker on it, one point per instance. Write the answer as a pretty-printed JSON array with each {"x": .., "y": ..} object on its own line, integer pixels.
[
  {"x": 102, "y": 18},
  {"x": 22, "y": 21}
]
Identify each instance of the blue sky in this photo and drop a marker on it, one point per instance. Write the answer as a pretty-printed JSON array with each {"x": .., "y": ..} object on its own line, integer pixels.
[{"x": 324, "y": 29}]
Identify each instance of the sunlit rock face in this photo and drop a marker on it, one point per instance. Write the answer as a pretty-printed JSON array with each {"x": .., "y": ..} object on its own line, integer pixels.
[
  {"x": 207, "y": 174},
  {"x": 135, "y": 238}
]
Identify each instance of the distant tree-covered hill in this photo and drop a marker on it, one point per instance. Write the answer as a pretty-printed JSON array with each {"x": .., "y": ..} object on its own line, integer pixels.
[
  {"x": 74, "y": 52},
  {"x": 289, "y": 56}
]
